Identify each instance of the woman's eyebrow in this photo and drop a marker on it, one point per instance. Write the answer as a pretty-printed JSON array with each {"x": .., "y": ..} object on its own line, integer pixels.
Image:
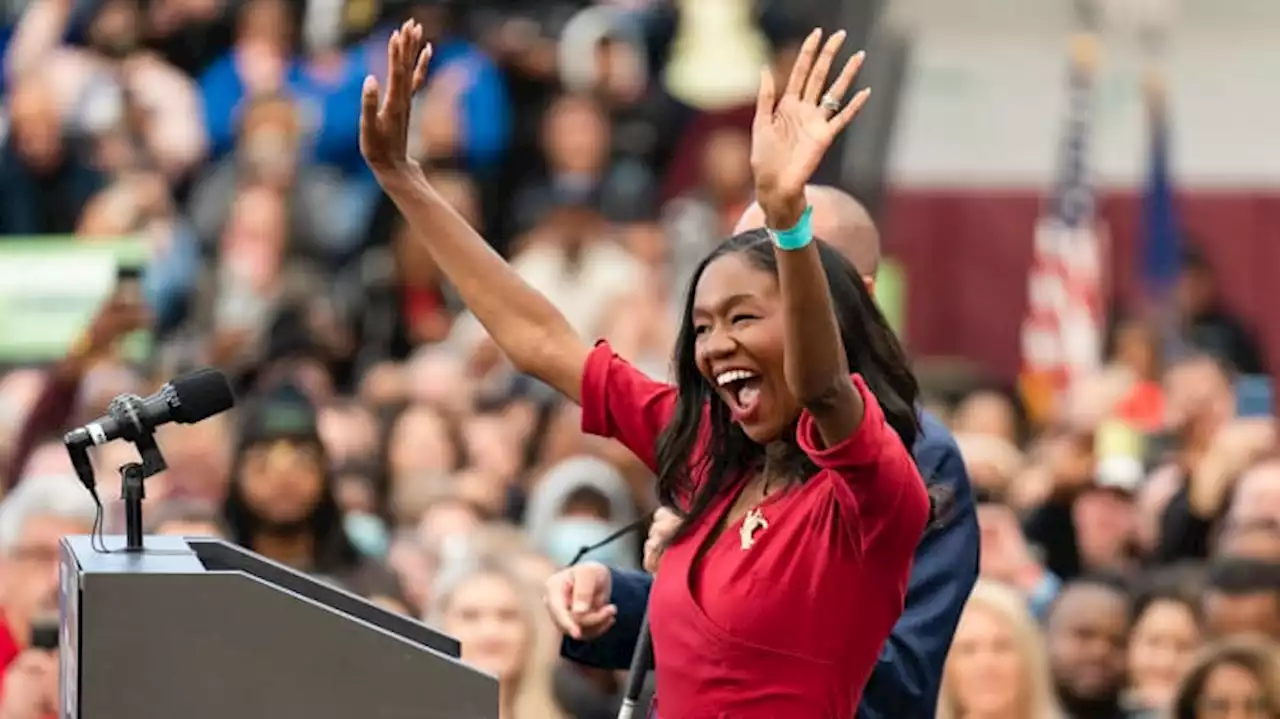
[{"x": 724, "y": 305}]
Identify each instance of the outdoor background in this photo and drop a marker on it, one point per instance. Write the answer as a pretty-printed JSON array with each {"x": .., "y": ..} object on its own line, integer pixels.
[{"x": 1080, "y": 214}]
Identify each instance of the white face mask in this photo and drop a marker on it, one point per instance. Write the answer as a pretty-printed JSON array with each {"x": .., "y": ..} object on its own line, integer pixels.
[
  {"x": 569, "y": 535},
  {"x": 368, "y": 533}
]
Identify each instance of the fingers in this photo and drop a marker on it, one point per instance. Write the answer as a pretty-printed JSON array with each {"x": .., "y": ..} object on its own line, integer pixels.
[
  {"x": 597, "y": 622},
  {"x": 822, "y": 68},
  {"x": 840, "y": 88},
  {"x": 652, "y": 555},
  {"x": 584, "y": 594},
  {"x": 804, "y": 62},
  {"x": 395, "y": 75},
  {"x": 368, "y": 100},
  {"x": 766, "y": 98},
  {"x": 559, "y": 598},
  {"x": 842, "y": 120},
  {"x": 420, "y": 72}
]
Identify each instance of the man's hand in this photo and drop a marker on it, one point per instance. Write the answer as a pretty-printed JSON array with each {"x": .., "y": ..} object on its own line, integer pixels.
[
  {"x": 384, "y": 129},
  {"x": 1234, "y": 448},
  {"x": 578, "y": 600},
  {"x": 665, "y": 525},
  {"x": 31, "y": 686}
]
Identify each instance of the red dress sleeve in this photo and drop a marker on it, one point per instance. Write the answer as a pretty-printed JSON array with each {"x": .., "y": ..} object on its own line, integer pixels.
[
  {"x": 873, "y": 477},
  {"x": 621, "y": 402}
]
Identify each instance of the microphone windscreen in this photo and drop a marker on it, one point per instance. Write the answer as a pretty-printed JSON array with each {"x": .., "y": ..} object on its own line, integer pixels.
[{"x": 201, "y": 394}]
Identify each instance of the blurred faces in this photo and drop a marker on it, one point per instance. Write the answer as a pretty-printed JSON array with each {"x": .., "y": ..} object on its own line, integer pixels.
[
  {"x": 985, "y": 672},
  {"x": 420, "y": 444},
  {"x": 1232, "y": 692},
  {"x": 1257, "y": 495},
  {"x": 439, "y": 380},
  {"x": 1258, "y": 539},
  {"x": 36, "y": 126},
  {"x": 576, "y": 137},
  {"x": 114, "y": 29},
  {"x": 30, "y": 572},
  {"x": 1165, "y": 638},
  {"x": 446, "y": 522},
  {"x": 1195, "y": 290},
  {"x": 987, "y": 413},
  {"x": 266, "y": 21},
  {"x": 726, "y": 166},
  {"x": 1198, "y": 399},
  {"x": 485, "y": 614},
  {"x": 269, "y": 142},
  {"x": 283, "y": 481},
  {"x": 493, "y": 446},
  {"x": 253, "y": 242},
  {"x": 1087, "y": 634},
  {"x": 1240, "y": 614},
  {"x": 349, "y": 433},
  {"x": 1105, "y": 524},
  {"x": 1137, "y": 349}
]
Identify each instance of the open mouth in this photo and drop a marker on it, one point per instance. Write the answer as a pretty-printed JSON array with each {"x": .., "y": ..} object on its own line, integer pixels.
[{"x": 740, "y": 389}]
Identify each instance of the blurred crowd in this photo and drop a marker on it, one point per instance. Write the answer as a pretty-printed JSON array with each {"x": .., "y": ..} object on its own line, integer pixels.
[{"x": 1130, "y": 544}]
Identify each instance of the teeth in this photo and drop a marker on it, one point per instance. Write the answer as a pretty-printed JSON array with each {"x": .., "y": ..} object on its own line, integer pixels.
[{"x": 733, "y": 375}]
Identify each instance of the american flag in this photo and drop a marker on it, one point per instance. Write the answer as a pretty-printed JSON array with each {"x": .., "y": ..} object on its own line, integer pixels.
[{"x": 1062, "y": 330}]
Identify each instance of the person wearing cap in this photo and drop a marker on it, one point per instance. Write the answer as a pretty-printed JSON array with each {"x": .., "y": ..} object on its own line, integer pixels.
[{"x": 281, "y": 502}]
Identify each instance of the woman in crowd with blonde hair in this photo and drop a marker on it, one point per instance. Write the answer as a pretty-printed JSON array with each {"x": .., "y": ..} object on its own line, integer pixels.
[
  {"x": 1238, "y": 678},
  {"x": 494, "y": 611},
  {"x": 998, "y": 667}
]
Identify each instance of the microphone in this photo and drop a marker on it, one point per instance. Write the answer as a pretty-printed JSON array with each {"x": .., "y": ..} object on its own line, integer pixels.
[
  {"x": 640, "y": 661},
  {"x": 188, "y": 399}
]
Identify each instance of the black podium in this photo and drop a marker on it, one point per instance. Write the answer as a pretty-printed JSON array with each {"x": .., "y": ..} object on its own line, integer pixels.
[{"x": 201, "y": 629}]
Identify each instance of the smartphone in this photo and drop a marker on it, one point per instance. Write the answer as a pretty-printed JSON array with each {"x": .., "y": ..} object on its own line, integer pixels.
[
  {"x": 137, "y": 347},
  {"x": 1255, "y": 396},
  {"x": 45, "y": 634}
]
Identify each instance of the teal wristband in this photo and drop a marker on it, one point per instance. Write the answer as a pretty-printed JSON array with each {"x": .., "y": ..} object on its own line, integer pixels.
[{"x": 796, "y": 237}]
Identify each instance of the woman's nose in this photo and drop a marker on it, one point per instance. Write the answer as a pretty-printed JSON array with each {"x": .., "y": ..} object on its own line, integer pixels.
[{"x": 719, "y": 344}]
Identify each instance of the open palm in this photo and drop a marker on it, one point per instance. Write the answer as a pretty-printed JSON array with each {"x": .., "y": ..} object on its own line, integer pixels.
[
  {"x": 792, "y": 133},
  {"x": 384, "y": 129}
]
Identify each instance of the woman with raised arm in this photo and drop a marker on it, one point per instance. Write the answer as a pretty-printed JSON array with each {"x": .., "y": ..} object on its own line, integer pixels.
[{"x": 783, "y": 441}]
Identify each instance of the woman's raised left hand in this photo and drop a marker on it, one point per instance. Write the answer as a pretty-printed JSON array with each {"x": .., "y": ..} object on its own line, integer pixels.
[{"x": 792, "y": 133}]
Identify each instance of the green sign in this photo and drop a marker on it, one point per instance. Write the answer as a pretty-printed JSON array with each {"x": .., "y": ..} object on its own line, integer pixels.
[
  {"x": 891, "y": 295},
  {"x": 50, "y": 288}
]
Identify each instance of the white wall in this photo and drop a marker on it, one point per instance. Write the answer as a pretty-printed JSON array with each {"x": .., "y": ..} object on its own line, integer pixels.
[{"x": 986, "y": 94}]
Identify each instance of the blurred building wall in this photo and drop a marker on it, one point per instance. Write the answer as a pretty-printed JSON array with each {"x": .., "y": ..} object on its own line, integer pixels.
[{"x": 976, "y": 141}]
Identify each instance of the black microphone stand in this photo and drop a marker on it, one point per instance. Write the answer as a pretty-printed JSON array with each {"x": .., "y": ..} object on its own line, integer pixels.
[{"x": 133, "y": 475}]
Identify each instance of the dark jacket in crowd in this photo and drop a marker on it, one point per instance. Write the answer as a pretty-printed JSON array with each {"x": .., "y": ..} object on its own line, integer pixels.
[{"x": 907, "y": 678}]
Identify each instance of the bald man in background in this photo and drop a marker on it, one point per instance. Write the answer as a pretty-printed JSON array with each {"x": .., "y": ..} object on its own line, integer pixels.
[{"x": 907, "y": 678}]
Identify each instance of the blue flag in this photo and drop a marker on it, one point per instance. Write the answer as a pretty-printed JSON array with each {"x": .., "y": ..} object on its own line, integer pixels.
[{"x": 1161, "y": 244}]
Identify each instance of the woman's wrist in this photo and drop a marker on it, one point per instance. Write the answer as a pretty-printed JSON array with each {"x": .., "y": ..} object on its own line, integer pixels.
[{"x": 785, "y": 213}]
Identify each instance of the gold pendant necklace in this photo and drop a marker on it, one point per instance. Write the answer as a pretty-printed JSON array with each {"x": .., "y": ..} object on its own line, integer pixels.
[{"x": 751, "y": 524}]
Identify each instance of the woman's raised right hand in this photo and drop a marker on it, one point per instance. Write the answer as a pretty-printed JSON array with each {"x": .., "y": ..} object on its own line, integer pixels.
[
  {"x": 578, "y": 600},
  {"x": 384, "y": 128}
]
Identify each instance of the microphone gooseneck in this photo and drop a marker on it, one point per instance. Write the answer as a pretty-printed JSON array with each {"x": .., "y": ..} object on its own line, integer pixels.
[{"x": 640, "y": 661}]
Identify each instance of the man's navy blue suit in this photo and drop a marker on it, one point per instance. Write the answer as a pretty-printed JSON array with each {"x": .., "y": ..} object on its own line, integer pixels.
[{"x": 906, "y": 680}]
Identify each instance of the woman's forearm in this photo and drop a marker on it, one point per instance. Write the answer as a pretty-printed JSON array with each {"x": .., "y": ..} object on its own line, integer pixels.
[
  {"x": 525, "y": 325},
  {"x": 815, "y": 365}
]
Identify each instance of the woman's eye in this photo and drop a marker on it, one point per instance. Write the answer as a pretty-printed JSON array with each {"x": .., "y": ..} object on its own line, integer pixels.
[
  {"x": 700, "y": 330},
  {"x": 737, "y": 319}
]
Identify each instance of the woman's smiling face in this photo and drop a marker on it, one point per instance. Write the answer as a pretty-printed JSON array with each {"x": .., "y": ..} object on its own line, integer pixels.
[{"x": 738, "y": 329}]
